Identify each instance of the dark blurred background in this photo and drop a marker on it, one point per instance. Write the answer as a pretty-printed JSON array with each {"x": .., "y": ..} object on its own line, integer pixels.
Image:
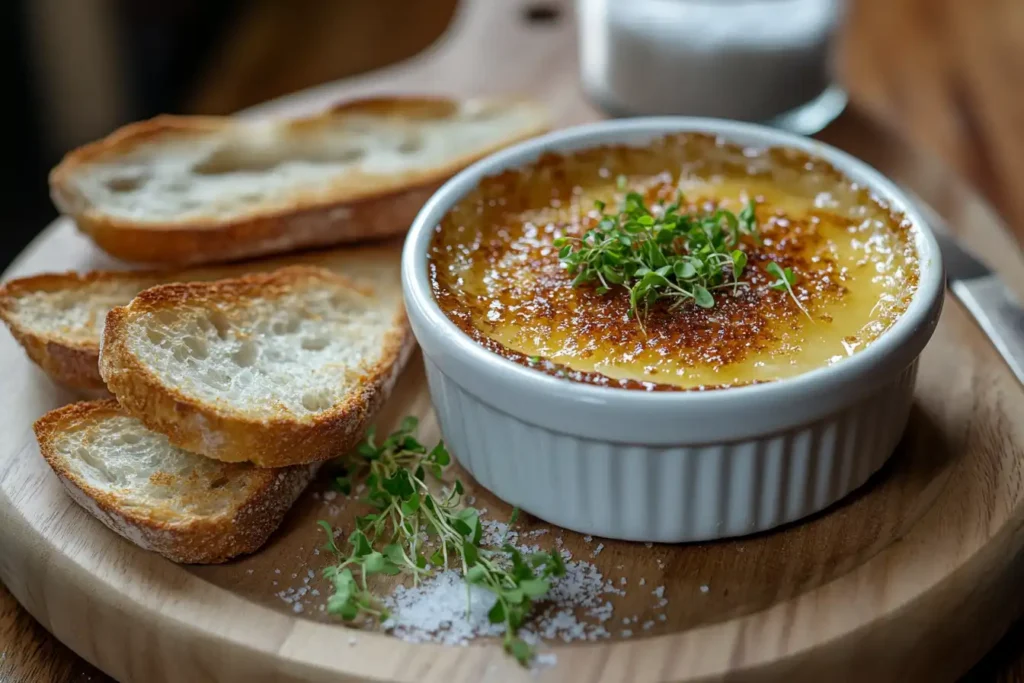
[
  {"x": 945, "y": 73},
  {"x": 74, "y": 70}
]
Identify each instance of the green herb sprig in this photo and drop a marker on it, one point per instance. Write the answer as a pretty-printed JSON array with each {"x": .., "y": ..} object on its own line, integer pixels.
[
  {"x": 785, "y": 278},
  {"x": 661, "y": 253},
  {"x": 389, "y": 539}
]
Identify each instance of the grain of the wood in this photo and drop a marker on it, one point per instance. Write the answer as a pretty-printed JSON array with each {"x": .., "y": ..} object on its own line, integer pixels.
[
  {"x": 281, "y": 47},
  {"x": 29, "y": 653},
  {"x": 942, "y": 72},
  {"x": 902, "y": 495}
]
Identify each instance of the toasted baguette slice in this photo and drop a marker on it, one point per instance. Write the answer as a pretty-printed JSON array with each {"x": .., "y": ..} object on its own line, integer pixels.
[
  {"x": 188, "y": 508},
  {"x": 58, "y": 317},
  {"x": 189, "y": 190},
  {"x": 278, "y": 369}
]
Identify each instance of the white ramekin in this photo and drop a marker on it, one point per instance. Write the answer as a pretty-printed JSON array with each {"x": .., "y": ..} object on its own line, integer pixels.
[{"x": 669, "y": 466}]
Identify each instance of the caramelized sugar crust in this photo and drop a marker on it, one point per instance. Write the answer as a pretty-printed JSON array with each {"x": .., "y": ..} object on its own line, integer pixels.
[{"x": 495, "y": 273}]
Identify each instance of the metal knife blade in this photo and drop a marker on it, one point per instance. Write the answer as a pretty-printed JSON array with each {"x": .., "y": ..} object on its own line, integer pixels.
[{"x": 995, "y": 308}]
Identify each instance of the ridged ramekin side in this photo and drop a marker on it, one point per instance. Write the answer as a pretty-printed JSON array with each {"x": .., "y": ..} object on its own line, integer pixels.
[{"x": 687, "y": 492}]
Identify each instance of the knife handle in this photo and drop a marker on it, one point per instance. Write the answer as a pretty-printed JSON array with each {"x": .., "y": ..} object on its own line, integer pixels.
[{"x": 999, "y": 315}]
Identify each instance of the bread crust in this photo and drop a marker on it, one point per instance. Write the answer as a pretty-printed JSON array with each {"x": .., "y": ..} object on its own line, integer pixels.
[
  {"x": 223, "y": 434},
  {"x": 207, "y": 242},
  {"x": 74, "y": 363},
  {"x": 202, "y": 540},
  {"x": 356, "y": 208}
]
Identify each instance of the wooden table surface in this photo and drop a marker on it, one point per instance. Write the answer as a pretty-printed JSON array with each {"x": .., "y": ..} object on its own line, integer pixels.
[{"x": 944, "y": 72}]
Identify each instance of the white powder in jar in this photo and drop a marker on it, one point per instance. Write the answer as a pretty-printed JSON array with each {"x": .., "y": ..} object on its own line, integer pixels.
[{"x": 749, "y": 60}]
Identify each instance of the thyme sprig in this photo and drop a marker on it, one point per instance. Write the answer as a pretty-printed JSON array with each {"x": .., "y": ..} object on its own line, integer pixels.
[
  {"x": 663, "y": 252},
  {"x": 390, "y": 539}
]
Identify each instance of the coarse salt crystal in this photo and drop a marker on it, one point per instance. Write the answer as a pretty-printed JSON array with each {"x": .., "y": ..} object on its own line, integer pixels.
[
  {"x": 588, "y": 538},
  {"x": 643, "y": 582},
  {"x": 545, "y": 659},
  {"x": 704, "y": 588},
  {"x": 658, "y": 592},
  {"x": 597, "y": 550},
  {"x": 648, "y": 625}
]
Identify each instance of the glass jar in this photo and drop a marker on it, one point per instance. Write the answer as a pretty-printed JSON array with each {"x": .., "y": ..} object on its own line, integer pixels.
[{"x": 767, "y": 61}]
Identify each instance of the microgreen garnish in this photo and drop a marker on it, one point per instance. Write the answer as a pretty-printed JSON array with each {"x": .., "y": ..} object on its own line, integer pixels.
[
  {"x": 389, "y": 540},
  {"x": 785, "y": 279},
  {"x": 660, "y": 252}
]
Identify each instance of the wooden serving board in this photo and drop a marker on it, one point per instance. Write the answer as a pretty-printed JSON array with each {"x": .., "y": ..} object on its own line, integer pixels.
[{"x": 912, "y": 578}]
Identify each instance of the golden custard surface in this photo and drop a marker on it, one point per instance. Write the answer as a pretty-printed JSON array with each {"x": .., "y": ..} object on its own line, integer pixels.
[{"x": 495, "y": 273}]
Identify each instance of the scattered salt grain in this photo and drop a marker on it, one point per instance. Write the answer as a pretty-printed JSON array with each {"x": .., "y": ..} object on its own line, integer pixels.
[
  {"x": 316, "y": 551},
  {"x": 704, "y": 588},
  {"x": 622, "y": 581},
  {"x": 314, "y": 592},
  {"x": 277, "y": 571},
  {"x": 330, "y": 495},
  {"x": 648, "y": 545},
  {"x": 297, "y": 607},
  {"x": 602, "y": 613},
  {"x": 295, "y": 576},
  {"x": 662, "y": 617},
  {"x": 538, "y": 532},
  {"x": 248, "y": 571},
  {"x": 643, "y": 582},
  {"x": 658, "y": 592},
  {"x": 588, "y": 538},
  {"x": 545, "y": 659},
  {"x": 648, "y": 625},
  {"x": 626, "y": 633},
  {"x": 310, "y": 574},
  {"x": 597, "y": 550}
]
